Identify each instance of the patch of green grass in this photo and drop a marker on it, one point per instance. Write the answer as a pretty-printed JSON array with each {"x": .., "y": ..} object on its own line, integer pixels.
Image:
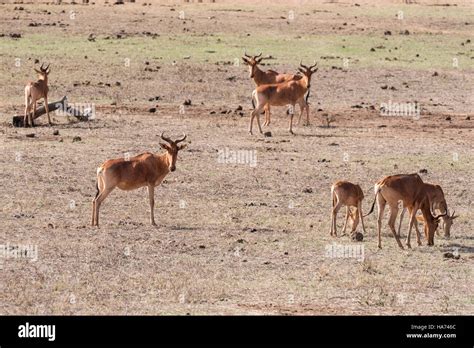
[{"x": 397, "y": 51}]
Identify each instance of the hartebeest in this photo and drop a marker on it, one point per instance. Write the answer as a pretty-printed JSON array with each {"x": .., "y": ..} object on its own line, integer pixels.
[
  {"x": 290, "y": 92},
  {"x": 350, "y": 195},
  {"x": 147, "y": 169},
  {"x": 267, "y": 77},
  {"x": 34, "y": 91},
  {"x": 411, "y": 190},
  {"x": 437, "y": 203}
]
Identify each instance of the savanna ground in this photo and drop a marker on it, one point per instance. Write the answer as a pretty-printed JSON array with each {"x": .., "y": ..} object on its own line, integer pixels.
[{"x": 233, "y": 238}]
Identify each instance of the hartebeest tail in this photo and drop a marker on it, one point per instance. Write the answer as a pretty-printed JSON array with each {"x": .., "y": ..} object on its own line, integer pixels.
[
  {"x": 147, "y": 169},
  {"x": 34, "y": 91}
]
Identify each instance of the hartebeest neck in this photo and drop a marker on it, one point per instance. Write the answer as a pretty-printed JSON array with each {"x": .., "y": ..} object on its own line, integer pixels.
[
  {"x": 165, "y": 159},
  {"x": 259, "y": 76}
]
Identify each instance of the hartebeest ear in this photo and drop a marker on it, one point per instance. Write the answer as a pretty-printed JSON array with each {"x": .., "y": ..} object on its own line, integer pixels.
[
  {"x": 164, "y": 146},
  {"x": 180, "y": 147},
  {"x": 246, "y": 61},
  {"x": 301, "y": 70}
]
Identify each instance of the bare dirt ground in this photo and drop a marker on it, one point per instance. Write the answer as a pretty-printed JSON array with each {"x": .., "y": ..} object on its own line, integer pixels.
[{"x": 233, "y": 238}]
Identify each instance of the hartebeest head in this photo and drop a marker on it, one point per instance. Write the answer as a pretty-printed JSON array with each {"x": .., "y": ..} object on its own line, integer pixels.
[
  {"x": 448, "y": 222},
  {"x": 431, "y": 225},
  {"x": 307, "y": 72},
  {"x": 172, "y": 148},
  {"x": 252, "y": 62},
  {"x": 43, "y": 72}
]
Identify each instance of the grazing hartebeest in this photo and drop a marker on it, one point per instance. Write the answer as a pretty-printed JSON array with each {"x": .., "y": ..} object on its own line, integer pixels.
[
  {"x": 35, "y": 91},
  {"x": 437, "y": 203},
  {"x": 411, "y": 190},
  {"x": 350, "y": 195},
  {"x": 290, "y": 92},
  {"x": 267, "y": 77},
  {"x": 147, "y": 169}
]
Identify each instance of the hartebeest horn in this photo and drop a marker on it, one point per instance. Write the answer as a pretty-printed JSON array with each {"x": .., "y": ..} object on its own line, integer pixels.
[
  {"x": 258, "y": 55},
  {"x": 245, "y": 54},
  {"x": 303, "y": 66},
  {"x": 47, "y": 67},
  {"x": 438, "y": 216},
  {"x": 181, "y": 139},
  {"x": 166, "y": 138},
  {"x": 314, "y": 65}
]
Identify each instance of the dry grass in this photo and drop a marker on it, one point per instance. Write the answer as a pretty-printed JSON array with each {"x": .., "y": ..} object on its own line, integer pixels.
[{"x": 232, "y": 239}]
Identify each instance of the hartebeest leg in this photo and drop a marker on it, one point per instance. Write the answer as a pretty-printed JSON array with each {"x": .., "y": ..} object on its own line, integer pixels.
[
  {"x": 255, "y": 112},
  {"x": 412, "y": 221},
  {"x": 335, "y": 210},
  {"x": 355, "y": 220},
  {"x": 151, "y": 197},
  {"x": 47, "y": 110},
  {"x": 346, "y": 219},
  {"x": 391, "y": 223},
  {"x": 359, "y": 211},
  {"x": 292, "y": 114},
  {"x": 381, "y": 207},
  {"x": 401, "y": 219},
  {"x": 98, "y": 201},
  {"x": 267, "y": 116},
  {"x": 32, "y": 115}
]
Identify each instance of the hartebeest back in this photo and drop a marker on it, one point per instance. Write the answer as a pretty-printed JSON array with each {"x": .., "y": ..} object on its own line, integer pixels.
[
  {"x": 350, "y": 195},
  {"x": 289, "y": 92},
  {"x": 411, "y": 190},
  {"x": 147, "y": 169},
  {"x": 34, "y": 91}
]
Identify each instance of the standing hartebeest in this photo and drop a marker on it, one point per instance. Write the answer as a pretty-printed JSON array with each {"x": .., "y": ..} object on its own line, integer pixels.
[
  {"x": 267, "y": 77},
  {"x": 411, "y": 190},
  {"x": 147, "y": 169},
  {"x": 350, "y": 195},
  {"x": 35, "y": 91},
  {"x": 290, "y": 92}
]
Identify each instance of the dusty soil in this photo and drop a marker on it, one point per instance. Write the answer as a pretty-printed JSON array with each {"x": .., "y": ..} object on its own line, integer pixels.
[{"x": 231, "y": 238}]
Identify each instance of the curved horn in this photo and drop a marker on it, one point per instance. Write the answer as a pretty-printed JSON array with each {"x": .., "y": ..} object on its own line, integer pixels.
[
  {"x": 304, "y": 66},
  {"x": 245, "y": 54},
  {"x": 257, "y": 56},
  {"x": 166, "y": 138},
  {"x": 41, "y": 67},
  {"x": 314, "y": 65},
  {"x": 47, "y": 67},
  {"x": 438, "y": 216},
  {"x": 181, "y": 139}
]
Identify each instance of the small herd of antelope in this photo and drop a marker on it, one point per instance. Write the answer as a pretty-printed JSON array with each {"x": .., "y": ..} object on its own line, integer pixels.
[
  {"x": 408, "y": 189},
  {"x": 273, "y": 89}
]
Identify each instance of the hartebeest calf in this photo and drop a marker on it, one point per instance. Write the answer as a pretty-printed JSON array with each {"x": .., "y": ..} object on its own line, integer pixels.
[
  {"x": 147, "y": 169},
  {"x": 34, "y": 91},
  {"x": 350, "y": 195},
  {"x": 267, "y": 77},
  {"x": 290, "y": 92},
  {"x": 437, "y": 203},
  {"x": 411, "y": 190}
]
